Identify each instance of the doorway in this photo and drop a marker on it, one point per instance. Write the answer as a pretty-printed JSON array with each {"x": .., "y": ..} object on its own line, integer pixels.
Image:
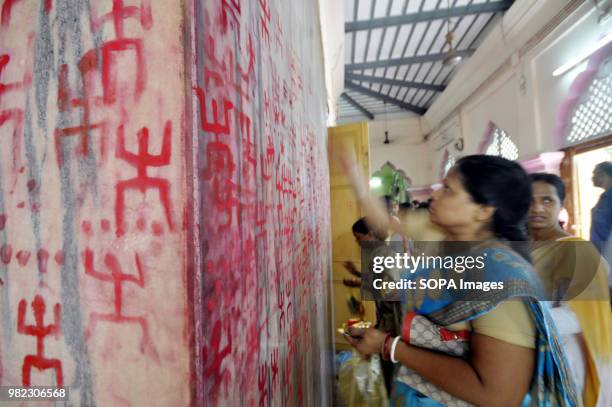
[{"x": 584, "y": 195}]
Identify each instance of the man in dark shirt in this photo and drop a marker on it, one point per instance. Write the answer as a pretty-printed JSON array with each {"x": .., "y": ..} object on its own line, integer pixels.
[
  {"x": 388, "y": 313},
  {"x": 601, "y": 214}
]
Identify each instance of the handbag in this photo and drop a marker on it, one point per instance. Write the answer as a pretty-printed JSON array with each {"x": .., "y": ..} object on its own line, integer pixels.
[{"x": 418, "y": 330}]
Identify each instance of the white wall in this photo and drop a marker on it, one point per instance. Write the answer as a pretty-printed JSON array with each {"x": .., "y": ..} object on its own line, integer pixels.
[
  {"x": 522, "y": 97},
  {"x": 406, "y": 151},
  {"x": 508, "y": 82},
  {"x": 332, "y": 38}
]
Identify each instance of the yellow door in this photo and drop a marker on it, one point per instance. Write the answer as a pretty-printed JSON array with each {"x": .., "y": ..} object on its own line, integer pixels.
[{"x": 344, "y": 212}]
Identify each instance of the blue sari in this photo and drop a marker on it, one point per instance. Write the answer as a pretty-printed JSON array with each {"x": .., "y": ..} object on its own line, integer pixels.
[{"x": 551, "y": 383}]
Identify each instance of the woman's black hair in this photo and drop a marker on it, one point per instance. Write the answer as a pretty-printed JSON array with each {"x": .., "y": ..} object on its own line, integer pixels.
[
  {"x": 504, "y": 185},
  {"x": 550, "y": 179},
  {"x": 361, "y": 227},
  {"x": 405, "y": 206}
]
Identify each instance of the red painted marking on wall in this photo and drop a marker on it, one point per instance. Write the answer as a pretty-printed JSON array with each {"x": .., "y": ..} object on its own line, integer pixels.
[
  {"x": 157, "y": 228},
  {"x": 267, "y": 161},
  {"x": 215, "y": 356},
  {"x": 120, "y": 13},
  {"x": 141, "y": 224},
  {"x": 211, "y": 305},
  {"x": 214, "y": 126},
  {"x": 265, "y": 20},
  {"x": 220, "y": 169},
  {"x": 279, "y": 33},
  {"x": 274, "y": 367},
  {"x": 6, "y": 252},
  {"x": 40, "y": 331},
  {"x": 21, "y": 205},
  {"x": 23, "y": 256},
  {"x": 59, "y": 257},
  {"x": 231, "y": 7},
  {"x": 246, "y": 74},
  {"x": 17, "y": 117},
  {"x": 250, "y": 155},
  {"x": 280, "y": 304},
  {"x": 43, "y": 259},
  {"x": 105, "y": 225},
  {"x": 48, "y": 5},
  {"x": 83, "y": 133},
  {"x": 86, "y": 227},
  {"x": 6, "y": 87},
  {"x": 69, "y": 99},
  {"x": 142, "y": 182},
  {"x": 262, "y": 384},
  {"x": 231, "y": 73},
  {"x": 110, "y": 68},
  {"x": 2, "y": 221},
  {"x": 7, "y": 6},
  {"x": 118, "y": 278},
  {"x": 31, "y": 185},
  {"x": 66, "y": 98}
]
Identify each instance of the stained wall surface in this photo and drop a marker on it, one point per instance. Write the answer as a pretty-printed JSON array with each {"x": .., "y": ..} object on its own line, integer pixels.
[
  {"x": 262, "y": 177},
  {"x": 164, "y": 201},
  {"x": 92, "y": 200}
]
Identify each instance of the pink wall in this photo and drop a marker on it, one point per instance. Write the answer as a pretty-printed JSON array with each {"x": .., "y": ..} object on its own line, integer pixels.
[
  {"x": 261, "y": 304},
  {"x": 164, "y": 225},
  {"x": 92, "y": 198}
]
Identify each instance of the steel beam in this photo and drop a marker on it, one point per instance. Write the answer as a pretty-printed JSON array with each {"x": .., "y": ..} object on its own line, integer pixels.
[
  {"x": 419, "y": 59},
  {"x": 438, "y": 14},
  {"x": 369, "y": 92},
  {"x": 393, "y": 82}
]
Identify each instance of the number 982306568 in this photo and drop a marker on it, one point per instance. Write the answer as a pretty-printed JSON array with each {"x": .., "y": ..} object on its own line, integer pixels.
[{"x": 39, "y": 393}]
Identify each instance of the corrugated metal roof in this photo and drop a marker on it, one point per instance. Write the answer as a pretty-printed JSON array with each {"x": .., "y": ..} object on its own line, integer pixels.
[{"x": 394, "y": 51}]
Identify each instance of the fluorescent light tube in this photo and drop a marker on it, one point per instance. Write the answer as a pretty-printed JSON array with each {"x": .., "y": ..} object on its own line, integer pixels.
[{"x": 583, "y": 55}]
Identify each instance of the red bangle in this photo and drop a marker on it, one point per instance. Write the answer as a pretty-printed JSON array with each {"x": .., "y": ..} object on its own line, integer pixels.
[{"x": 386, "y": 350}]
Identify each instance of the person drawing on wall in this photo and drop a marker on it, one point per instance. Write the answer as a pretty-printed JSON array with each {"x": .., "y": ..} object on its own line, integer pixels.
[
  {"x": 388, "y": 313},
  {"x": 515, "y": 356}
]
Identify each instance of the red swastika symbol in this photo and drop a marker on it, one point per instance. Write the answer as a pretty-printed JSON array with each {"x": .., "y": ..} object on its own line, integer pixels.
[
  {"x": 142, "y": 182},
  {"x": 120, "y": 12},
  {"x": 118, "y": 277},
  {"x": 214, "y": 126}
]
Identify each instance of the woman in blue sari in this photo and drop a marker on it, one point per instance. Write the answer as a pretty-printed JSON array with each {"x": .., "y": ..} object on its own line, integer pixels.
[{"x": 514, "y": 356}]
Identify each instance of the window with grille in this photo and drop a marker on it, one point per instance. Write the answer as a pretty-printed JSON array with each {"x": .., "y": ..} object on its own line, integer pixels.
[
  {"x": 501, "y": 145},
  {"x": 593, "y": 115}
]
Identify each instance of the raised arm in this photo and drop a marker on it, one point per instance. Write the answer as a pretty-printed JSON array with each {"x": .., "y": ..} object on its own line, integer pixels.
[{"x": 374, "y": 211}]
